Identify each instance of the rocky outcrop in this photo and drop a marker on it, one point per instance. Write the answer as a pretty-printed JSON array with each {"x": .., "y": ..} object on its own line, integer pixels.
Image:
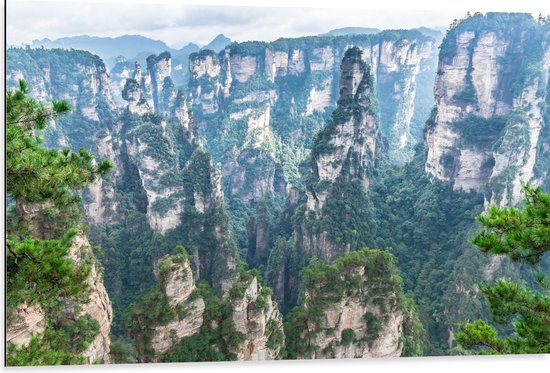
[
  {"x": 24, "y": 322},
  {"x": 184, "y": 193},
  {"x": 155, "y": 151},
  {"x": 204, "y": 88},
  {"x": 182, "y": 314},
  {"x": 163, "y": 89},
  {"x": 249, "y": 328},
  {"x": 118, "y": 74},
  {"x": 99, "y": 305},
  {"x": 135, "y": 95},
  {"x": 152, "y": 169},
  {"x": 353, "y": 309},
  {"x": 177, "y": 285},
  {"x": 259, "y": 106},
  {"x": 349, "y": 315},
  {"x": 330, "y": 218},
  {"x": 153, "y": 90},
  {"x": 100, "y": 200},
  {"x": 257, "y": 317},
  {"x": 87, "y": 83},
  {"x": 353, "y": 132},
  {"x": 253, "y": 175},
  {"x": 484, "y": 134},
  {"x": 80, "y": 78}
]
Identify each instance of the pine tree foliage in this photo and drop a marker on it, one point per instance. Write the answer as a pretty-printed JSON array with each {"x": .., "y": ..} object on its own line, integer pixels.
[
  {"x": 36, "y": 174},
  {"x": 524, "y": 236}
]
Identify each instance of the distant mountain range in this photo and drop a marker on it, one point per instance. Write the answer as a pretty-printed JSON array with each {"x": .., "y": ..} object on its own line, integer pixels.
[
  {"x": 131, "y": 47},
  {"x": 218, "y": 43},
  {"x": 106, "y": 47},
  {"x": 352, "y": 30}
]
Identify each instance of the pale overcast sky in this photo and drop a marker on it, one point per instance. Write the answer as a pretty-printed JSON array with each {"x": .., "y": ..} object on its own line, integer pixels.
[{"x": 177, "y": 24}]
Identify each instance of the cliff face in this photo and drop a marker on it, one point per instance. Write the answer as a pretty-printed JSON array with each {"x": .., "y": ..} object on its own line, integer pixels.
[
  {"x": 137, "y": 92},
  {"x": 352, "y": 309},
  {"x": 118, "y": 74},
  {"x": 102, "y": 199},
  {"x": 181, "y": 313},
  {"x": 331, "y": 217},
  {"x": 163, "y": 89},
  {"x": 161, "y": 163},
  {"x": 164, "y": 186},
  {"x": 183, "y": 191},
  {"x": 147, "y": 91},
  {"x": 491, "y": 91},
  {"x": 23, "y": 323},
  {"x": 154, "y": 167},
  {"x": 257, "y": 317},
  {"x": 242, "y": 324},
  {"x": 80, "y": 78},
  {"x": 347, "y": 146}
]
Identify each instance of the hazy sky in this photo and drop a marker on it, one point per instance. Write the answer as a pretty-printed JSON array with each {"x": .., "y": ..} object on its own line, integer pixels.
[{"x": 177, "y": 24}]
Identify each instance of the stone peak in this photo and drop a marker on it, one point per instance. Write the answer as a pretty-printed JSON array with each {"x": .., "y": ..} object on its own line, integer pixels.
[{"x": 354, "y": 72}]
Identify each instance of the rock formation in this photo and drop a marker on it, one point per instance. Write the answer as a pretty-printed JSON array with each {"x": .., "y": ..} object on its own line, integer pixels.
[
  {"x": 252, "y": 323},
  {"x": 23, "y": 323},
  {"x": 181, "y": 314},
  {"x": 259, "y": 105},
  {"x": 303, "y": 74},
  {"x": 163, "y": 89},
  {"x": 342, "y": 154},
  {"x": 491, "y": 91},
  {"x": 257, "y": 317},
  {"x": 135, "y": 95},
  {"x": 183, "y": 192},
  {"x": 86, "y": 87},
  {"x": 352, "y": 309},
  {"x": 78, "y": 77}
]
